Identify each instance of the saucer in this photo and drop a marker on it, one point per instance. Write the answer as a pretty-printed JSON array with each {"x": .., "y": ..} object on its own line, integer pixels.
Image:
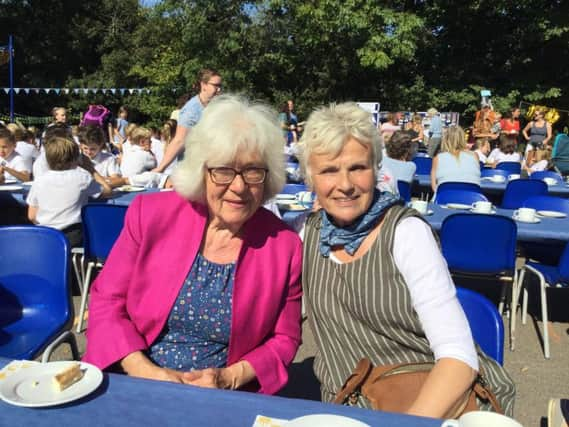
[
  {"x": 429, "y": 212},
  {"x": 492, "y": 212},
  {"x": 535, "y": 220},
  {"x": 457, "y": 206},
  {"x": 552, "y": 214}
]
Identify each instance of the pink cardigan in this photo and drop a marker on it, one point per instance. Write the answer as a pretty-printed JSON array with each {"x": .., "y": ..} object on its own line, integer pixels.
[{"x": 133, "y": 295}]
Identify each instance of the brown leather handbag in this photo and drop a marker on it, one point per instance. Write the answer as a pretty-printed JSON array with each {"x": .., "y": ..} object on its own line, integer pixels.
[{"x": 394, "y": 388}]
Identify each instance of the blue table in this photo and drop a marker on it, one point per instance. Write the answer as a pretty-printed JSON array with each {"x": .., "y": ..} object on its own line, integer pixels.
[
  {"x": 127, "y": 401},
  {"x": 548, "y": 230},
  {"x": 423, "y": 182}
]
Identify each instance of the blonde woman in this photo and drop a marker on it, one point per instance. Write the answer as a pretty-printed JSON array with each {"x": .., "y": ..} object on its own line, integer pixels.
[{"x": 455, "y": 162}]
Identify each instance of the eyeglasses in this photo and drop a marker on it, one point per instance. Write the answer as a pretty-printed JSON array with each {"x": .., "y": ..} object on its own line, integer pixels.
[
  {"x": 218, "y": 86},
  {"x": 225, "y": 175}
]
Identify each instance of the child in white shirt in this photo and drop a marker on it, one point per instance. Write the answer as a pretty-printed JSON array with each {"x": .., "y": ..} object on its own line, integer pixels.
[
  {"x": 92, "y": 142},
  {"x": 140, "y": 158},
  {"x": 56, "y": 197},
  {"x": 13, "y": 167}
]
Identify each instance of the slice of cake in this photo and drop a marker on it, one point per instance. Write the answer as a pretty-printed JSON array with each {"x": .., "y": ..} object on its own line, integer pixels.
[{"x": 67, "y": 377}]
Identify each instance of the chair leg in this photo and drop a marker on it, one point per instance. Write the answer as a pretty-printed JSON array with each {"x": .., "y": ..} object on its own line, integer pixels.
[
  {"x": 525, "y": 297},
  {"x": 544, "y": 319},
  {"x": 78, "y": 270},
  {"x": 513, "y": 311},
  {"x": 67, "y": 337},
  {"x": 84, "y": 295}
]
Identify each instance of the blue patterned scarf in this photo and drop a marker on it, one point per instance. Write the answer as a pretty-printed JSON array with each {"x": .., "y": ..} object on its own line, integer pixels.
[{"x": 352, "y": 236}]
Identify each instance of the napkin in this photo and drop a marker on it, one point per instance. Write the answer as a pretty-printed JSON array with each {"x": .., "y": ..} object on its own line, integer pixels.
[
  {"x": 264, "y": 421},
  {"x": 14, "y": 366}
]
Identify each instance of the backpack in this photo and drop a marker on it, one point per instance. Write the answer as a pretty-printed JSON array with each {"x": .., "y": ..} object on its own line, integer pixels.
[{"x": 96, "y": 115}]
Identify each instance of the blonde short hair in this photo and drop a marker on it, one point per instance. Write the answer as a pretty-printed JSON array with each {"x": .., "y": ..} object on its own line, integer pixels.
[
  {"x": 229, "y": 126},
  {"x": 138, "y": 134},
  {"x": 329, "y": 128},
  {"x": 61, "y": 153}
]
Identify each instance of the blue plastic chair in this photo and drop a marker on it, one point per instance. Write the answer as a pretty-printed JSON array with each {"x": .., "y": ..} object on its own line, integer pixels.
[
  {"x": 36, "y": 312},
  {"x": 293, "y": 188},
  {"x": 511, "y": 167},
  {"x": 424, "y": 165},
  {"x": 404, "y": 190},
  {"x": 518, "y": 190},
  {"x": 463, "y": 186},
  {"x": 548, "y": 275},
  {"x": 482, "y": 246},
  {"x": 547, "y": 174},
  {"x": 102, "y": 225},
  {"x": 459, "y": 196},
  {"x": 547, "y": 203},
  {"x": 485, "y": 322}
]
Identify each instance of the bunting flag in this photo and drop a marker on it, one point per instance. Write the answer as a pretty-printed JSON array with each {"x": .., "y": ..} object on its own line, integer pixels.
[{"x": 79, "y": 90}]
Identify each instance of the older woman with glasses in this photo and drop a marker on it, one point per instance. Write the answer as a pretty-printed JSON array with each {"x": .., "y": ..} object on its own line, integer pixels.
[{"x": 203, "y": 285}]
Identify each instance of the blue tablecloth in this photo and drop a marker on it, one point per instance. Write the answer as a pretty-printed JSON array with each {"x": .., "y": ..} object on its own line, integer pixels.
[
  {"x": 127, "y": 401},
  {"x": 547, "y": 230},
  {"x": 423, "y": 182}
]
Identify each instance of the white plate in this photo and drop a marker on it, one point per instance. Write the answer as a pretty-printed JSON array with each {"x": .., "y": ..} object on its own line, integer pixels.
[
  {"x": 324, "y": 420},
  {"x": 294, "y": 207},
  {"x": 27, "y": 183},
  {"x": 492, "y": 212},
  {"x": 10, "y": 187},
  {"x": 285, "y": 196},
  {"x": 535, "y": 220},
  {"x": 552, "y": 214},
  {"x": 130, "y": 188},
  {"x": 33, "y": 386},
  {"x": 457, "y": 206},
  {"x": 429, "y": 212}
]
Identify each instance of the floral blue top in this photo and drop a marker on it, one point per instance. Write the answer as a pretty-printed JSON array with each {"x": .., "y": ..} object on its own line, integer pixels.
[{"x": 196, "y": 335}]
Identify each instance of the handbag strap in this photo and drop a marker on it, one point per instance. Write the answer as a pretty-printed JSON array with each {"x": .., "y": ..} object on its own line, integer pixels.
[
  {"x": 354, "y": 381},
  {"x": 483, "y": 392}
]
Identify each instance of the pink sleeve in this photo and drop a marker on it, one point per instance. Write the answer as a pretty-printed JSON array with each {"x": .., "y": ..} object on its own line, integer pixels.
[
  {"x": 111, "y": 334},
  {"x": 271, "y": 359}
]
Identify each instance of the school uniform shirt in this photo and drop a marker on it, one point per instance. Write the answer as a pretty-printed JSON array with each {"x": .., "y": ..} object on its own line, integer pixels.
[
  {"x": 498, "y": 156},
  {"x": 158, "y": 148},
  {"x": 28, "y": 151},
  {"x": 106, "y": 164},
  {"x": 16, "y": 162},
  {"x": 137, "y": 161},
  {"x": 60, "y": 195},
  {"x": 40, "y": 165}
]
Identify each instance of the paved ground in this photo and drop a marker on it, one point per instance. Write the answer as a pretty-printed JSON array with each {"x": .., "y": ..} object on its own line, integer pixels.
[{"x": 537, "y": 379}]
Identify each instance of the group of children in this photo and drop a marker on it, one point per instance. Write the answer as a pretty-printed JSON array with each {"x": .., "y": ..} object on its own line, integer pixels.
[{"x": 71, "y": 165}]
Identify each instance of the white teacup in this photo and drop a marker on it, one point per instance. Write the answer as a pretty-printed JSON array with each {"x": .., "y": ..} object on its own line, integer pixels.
[
  {"x": 420, "y": 206},
  {"x": 304, "y": 197},
  {"x": 482, "y": 207},
  {"x": 525, "y": 214},
  {"x": 550, "y": 181},
  {"x": 482, "y": 419},
  {"x": 513, "y": 176}
]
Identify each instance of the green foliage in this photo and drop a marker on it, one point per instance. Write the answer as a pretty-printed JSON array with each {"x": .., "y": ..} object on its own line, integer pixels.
[{"x": 405, "y": 54}]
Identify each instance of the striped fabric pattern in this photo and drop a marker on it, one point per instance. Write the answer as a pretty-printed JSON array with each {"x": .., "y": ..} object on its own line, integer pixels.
[{"x": 353, "y": 314}]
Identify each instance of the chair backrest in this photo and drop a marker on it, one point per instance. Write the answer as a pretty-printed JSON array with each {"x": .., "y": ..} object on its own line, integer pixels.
[
  {"x": 102, "y": 225},
  {"x": 293, "y": 188},
  {"x": 485, "y": 323},
  {"x": 518, "y": 190},
  {"x": 424, "y": 165},
  {"x": 493, "y": 172},
  {"x": 547, "y": 203},
  {"x": 459, "y": 196},
  {"x": 404, "y": 190},
  {"x": 479, "y": 244},
  {"x": 464, "y": 186},
  {"x": 34, "y": 289},
  {"x": 547, "y": 174},
  {"x": 511, "y": 167}
]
